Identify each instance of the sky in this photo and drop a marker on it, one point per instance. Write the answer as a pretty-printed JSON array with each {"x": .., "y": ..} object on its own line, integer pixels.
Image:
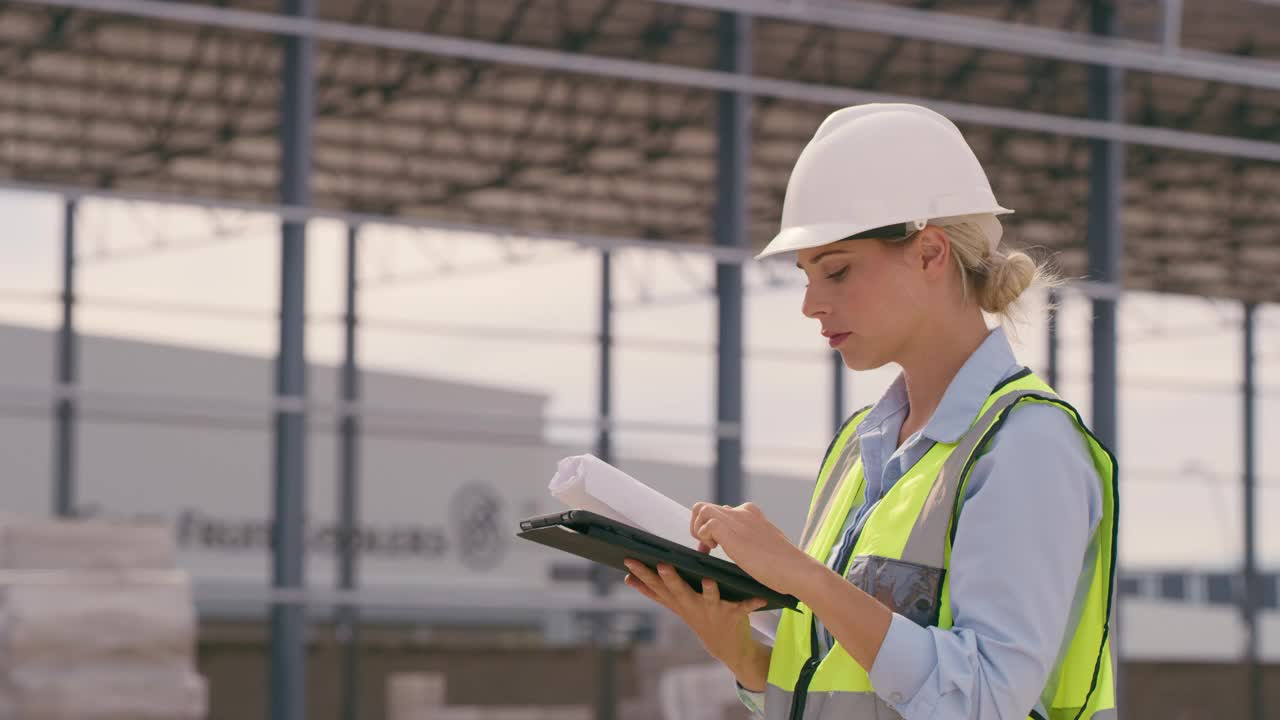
[{"x": 210, "y": 280}]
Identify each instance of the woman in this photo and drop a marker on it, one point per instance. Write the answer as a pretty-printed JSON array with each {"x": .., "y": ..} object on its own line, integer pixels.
[{"x": 958, "y": 559}]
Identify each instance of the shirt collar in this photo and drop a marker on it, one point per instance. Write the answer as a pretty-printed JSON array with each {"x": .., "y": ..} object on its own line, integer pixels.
[{"x": 991, "y": 363}]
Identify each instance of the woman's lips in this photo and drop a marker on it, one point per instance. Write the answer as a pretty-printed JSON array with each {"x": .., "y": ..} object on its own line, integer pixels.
[{"x": 835, "y": 340}]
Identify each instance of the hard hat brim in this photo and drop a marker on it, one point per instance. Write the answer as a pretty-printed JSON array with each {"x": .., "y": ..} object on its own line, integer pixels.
[
  {"x": 805, "y": 237},
  {"x": 811, "y": 236}
]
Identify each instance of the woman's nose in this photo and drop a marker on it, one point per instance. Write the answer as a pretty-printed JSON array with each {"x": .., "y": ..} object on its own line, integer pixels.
[{"x": 813, "y": 305}]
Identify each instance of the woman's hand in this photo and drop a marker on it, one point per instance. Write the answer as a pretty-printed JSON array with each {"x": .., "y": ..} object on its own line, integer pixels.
[
  {"x": 754, "y": 543},
  {"x": 721, "y": 625}
]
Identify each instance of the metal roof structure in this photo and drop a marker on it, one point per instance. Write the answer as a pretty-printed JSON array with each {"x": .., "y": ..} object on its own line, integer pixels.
[
  {"x": 597, "y": 118},
  {"x": 1140, "y": 141}
]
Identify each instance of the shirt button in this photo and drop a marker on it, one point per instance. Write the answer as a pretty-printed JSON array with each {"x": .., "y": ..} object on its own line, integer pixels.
[{"x": 896, "y": 698}]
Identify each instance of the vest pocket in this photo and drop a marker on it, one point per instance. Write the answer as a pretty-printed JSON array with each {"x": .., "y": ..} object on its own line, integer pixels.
[{"x": 912, "y": 590}]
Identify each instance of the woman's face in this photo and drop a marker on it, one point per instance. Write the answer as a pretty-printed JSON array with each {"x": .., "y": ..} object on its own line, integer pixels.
[{"x": 865, "y": 295}]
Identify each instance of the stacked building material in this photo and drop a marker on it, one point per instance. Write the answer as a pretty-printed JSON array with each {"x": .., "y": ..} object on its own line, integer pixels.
[{"x": 96, "y": 623}]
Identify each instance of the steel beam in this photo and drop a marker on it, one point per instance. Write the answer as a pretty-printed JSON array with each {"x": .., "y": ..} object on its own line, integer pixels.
[
  {"x": 287, "y": 673},
  {"x": 1170, "y": 25},
  {"x": 951, "y": 28},
  {"x": 347, "y": 620},
  {"x": 64, "y": 446},
  {"x": 1002, "y": 36},
  {"x": 298, "y": 213},
  {"x": 733, "y": 124},
  {"x": 1105, "y": 243},
  {"x": 1105, "y": 231},
  {"x": 1119, "y": 53},
  {"x": 602, "y": 580},
  {"x": 203, "y": 108},
  {"x": 604, "y": 439},
  {"x": 290, "y": 212},
  {"x": 1251, "y": 599}
]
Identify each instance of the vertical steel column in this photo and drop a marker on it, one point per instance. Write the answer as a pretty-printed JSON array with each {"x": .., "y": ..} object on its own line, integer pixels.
[
  {"x": 1054, "y": 299},
  {"x": 1170, "y": 25},
  {"x": 1106, "y": 242},
  {"x": 837, "y": 393},
  {"x": 288, "y": 620},
  {"x": 607, "y": 697},
  {"x": 1251, "y": 599},
  {"x": 733, "y": 125},
  {"x": 348, "y": 620},
  {"x": 1105, "y": 238},
  {"x": 604, "y": 439},
  {"x": 64, "y": 446}
]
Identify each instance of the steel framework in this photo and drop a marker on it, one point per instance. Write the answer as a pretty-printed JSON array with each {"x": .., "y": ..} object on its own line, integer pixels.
[{"x": 645, "y": 124}]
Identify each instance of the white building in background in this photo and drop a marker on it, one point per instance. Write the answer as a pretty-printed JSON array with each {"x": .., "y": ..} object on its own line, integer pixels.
[{"x": 447, "y": 470}]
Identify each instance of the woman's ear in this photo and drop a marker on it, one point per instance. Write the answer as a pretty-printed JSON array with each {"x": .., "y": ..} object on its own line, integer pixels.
[{"x": 933, "y": 251}]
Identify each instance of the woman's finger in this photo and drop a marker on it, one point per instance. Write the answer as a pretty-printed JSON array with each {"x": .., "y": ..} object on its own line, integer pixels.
[
  {"x": 706, "y": 531},
  {"x": 710, "y": 591},
  {"x": 676, "y": 587},
  {"x": 694, "y": 518},
  {"x": 704, "y": 513},
  {"x": 650, "y": 579},
  {"x": 636, "y": 584}
]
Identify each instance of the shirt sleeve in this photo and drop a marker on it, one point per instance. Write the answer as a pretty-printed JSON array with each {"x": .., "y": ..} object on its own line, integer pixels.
[
  {"x": 1032, "y": 505},
  {"x": 753, "y": 700}
]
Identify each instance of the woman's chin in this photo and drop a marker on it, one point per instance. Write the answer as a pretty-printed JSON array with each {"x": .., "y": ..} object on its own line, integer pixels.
[{"x": 859, "y": 361}]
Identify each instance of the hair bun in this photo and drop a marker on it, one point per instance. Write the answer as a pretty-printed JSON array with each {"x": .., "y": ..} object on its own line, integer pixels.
[{"x": 1007, "y": 277}]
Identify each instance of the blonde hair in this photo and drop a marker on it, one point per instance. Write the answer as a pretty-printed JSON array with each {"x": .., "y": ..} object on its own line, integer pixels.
[{"x": 998, "y": 277}]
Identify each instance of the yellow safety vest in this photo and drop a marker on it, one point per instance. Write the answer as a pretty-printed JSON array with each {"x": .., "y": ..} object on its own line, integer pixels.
[{"x": 901, "y": 557}]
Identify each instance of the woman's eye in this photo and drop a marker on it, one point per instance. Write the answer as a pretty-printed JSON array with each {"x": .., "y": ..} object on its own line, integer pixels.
[{"x": 839, "y": 274}]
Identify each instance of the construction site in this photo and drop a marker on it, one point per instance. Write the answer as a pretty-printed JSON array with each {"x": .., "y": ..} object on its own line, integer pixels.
[{"x": 302, "y": 301}]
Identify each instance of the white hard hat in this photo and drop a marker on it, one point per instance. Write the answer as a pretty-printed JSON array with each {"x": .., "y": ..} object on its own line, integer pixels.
[{"x": 883, "y": 170}]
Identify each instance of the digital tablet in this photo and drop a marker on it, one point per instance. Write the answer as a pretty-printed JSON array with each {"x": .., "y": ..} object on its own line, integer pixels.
[{"x": 609, "y": 542}]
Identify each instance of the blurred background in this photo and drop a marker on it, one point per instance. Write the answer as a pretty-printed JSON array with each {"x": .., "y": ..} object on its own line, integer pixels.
[{"x": 325, "y": 288}]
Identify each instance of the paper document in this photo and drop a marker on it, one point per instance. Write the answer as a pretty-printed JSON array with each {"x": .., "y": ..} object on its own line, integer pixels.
[{"x": 585, "y": 482}]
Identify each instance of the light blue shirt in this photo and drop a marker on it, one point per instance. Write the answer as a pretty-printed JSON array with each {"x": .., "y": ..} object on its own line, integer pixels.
[{"x": 1022, "y": 560}]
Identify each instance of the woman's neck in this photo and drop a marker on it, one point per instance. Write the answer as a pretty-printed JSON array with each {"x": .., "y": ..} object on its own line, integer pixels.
[{"x": 929, "y": 369}]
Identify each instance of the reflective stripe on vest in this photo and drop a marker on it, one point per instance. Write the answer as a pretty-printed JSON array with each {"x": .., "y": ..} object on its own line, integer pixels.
[
  {"x": 843, "y": 464},
  {"x": 900, "y": 557}
]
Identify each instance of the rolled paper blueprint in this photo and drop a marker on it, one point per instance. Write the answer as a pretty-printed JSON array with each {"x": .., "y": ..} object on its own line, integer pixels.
[{"x": 585, "y": 482}]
